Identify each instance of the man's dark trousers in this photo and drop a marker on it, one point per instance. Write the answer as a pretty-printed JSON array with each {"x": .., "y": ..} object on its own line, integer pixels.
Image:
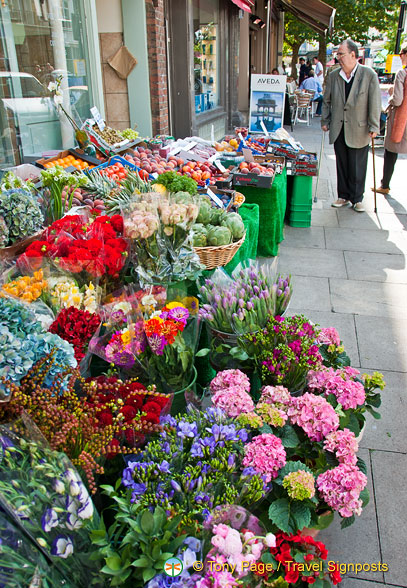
[{"x": 351, "y": 166}]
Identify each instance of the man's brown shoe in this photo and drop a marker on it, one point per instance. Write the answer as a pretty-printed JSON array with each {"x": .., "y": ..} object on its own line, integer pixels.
[{"x": 381, "y": 190}]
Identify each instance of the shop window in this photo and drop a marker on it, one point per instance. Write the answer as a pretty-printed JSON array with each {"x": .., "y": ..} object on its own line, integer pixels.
[
  {"x": 39, "y": 41},
  {"x": 206, "y": 54}
]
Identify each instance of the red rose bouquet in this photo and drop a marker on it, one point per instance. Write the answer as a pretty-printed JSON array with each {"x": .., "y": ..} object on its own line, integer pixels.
[
  {"x": 81, "y": 246},
  {"x": 77, "y": 327}
]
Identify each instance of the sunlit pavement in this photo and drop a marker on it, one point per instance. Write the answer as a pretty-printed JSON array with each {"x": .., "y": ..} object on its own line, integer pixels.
[{"x": 349, "y": 271}]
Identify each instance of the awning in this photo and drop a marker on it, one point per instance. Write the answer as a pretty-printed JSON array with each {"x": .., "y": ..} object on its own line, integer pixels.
[
  {"x": 244, "y": 4},
  {"x": 315, "y": 13}
]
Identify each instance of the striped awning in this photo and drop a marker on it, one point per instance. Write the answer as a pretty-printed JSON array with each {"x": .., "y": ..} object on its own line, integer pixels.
[
  {"x": 244, "y": 4},
  {"x": 317, "y": 14}
]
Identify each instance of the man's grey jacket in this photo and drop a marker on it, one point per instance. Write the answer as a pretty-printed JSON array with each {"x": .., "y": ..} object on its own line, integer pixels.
[{"x": 361, "y": 112}]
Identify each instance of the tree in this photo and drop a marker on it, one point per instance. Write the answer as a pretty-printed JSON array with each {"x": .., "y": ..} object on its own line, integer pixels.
[{"x": 295, "y": 33}]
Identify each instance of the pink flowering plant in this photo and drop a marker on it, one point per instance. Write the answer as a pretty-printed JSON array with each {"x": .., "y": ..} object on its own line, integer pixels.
[
  {"x": 284, "y": 351},
  {"x": 349, "y": 392},
  {"x": 299, "y": 445},
  {"x": 331, "y": 348}
]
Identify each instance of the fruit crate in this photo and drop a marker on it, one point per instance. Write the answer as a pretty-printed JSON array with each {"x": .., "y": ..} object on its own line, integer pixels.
[
  {"x": 123, "y": 161},
  {"x": 253, "y": 180}
]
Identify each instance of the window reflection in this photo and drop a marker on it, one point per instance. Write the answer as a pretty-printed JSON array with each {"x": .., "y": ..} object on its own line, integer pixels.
[{"x": 206, "y": 54}]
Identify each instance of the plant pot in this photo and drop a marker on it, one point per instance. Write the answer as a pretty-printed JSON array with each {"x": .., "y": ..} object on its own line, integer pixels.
[
  {"x": 322, "y": 524},
  {"x": 362, "y": 431},
  {"x": 180, "y": 398}
]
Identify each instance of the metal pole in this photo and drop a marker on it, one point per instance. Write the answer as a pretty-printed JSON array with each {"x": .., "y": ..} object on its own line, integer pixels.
[
  {"x": 319, "y": 165},
  {"x": 374, "y": 177},
  {"x": 400, "y": 26},
  {"x": 268, "y": 36}
]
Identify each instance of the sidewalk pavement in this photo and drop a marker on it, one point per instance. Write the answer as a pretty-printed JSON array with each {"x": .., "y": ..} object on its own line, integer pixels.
[{"x": 349, "y": 271}]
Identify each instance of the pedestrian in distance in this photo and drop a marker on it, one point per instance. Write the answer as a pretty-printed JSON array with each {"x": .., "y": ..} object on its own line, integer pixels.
[
  {"x": 395, "y": 140},
  {"x": 303, "y": 71},
  {"x": 311, "y": 83},
  {"x": 275, "y": 72},
  {"x": 351, "y": 113},
  {"x": 319, "y": 70}
]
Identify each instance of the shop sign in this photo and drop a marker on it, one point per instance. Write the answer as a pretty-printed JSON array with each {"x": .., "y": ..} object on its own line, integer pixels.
[
  {"x": 267, "y": 98},
  {"x": 393, "y": 64}
]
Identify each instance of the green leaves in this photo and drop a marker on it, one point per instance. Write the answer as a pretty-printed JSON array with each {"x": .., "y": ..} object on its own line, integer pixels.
[
  {"x": 289, "y": 516},
  {"x": 146, "y": 521},
  {"x": 293, "y": 466}
]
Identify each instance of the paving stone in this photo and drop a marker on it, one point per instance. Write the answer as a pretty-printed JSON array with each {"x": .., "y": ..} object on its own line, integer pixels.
[
  {"x": 376, "y": 267},
  {"x": 382, "y": 343},
  {"x": 354, "y": 583},
  {"x": 379, "y": 299},
  {"x": 311, "y": 262},
  {"x": 366, "y": 240},
  {"x": 389, "y": 475},
  {"x": 323, "y": 218},
  {"x": 359, "y": 543},
  {"x": 344, "y": 324},
  {"x": 369, "y": 221},
  {"x": 312, "y": 237},
  {"x": 310, "y": 294},
  {"x": 389, "y": 432}
]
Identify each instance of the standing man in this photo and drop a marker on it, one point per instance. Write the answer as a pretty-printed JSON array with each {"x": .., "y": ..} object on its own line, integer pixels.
[
  {"x": 351, "y": 112},
  {"x": 303, "y": 71},
  {"x": 319, "y": 70}
]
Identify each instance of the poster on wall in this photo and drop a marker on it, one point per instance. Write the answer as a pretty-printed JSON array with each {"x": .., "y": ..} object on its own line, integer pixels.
[
  {"x": 393, "y": 64},
  {"x": 267, "y": 98}
]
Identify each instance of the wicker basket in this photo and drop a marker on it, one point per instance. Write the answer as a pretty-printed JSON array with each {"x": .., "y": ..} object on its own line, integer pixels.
[
  {"x": 240, "y": 203},
  {"x": 12, "y": 251},
  {"x": 213, "y": 257}
]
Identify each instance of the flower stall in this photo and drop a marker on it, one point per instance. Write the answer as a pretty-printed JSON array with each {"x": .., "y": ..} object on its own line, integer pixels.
[{"x": 163, "y": 420}]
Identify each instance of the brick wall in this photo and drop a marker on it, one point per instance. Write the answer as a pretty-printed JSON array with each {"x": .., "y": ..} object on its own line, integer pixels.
[{"x": 157, "y": 62}]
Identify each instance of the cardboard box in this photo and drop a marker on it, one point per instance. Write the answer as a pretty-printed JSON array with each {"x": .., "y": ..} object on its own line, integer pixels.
[
  {"x": 253, "y": 180},
  {"x": 75, "y": 152}
]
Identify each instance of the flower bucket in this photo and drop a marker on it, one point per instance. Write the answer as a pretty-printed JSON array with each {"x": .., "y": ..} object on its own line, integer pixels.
[
  {"x": 179, "y": 402},
  {"x": 362, "y": 431},
  {"x": 325, "y": 519}
]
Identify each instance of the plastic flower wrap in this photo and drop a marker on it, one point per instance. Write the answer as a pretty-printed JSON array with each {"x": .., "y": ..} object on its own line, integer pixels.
[
  {"x": 77, "y": 327},
  {"x": 84, "y": 247},
  {"x": 171, "y": 337},
  {"x": 238, "y": 540},
  {"x": 243, "y": 302},
  {"x": 160, "y": 231},
  {"x": 23, "y": 342},
  {"x": 27, "y": 288},
  {"x": 120, "y": 337},
  {"x": 46, "y": 497},
  {"x": 22, "y": 563}
]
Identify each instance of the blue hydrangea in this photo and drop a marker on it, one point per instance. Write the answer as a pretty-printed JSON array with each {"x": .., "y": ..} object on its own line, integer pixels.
[
  {"x": 18, "y": 317},
  {"x": 64, "y": 356}
]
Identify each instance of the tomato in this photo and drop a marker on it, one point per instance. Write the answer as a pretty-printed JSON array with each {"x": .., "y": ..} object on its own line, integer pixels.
[
  {"x": 114, "y": 177},
  {"x": 122, "y": 175},
  {"x": 115, "y": 168},
  {"x": 143, "y": 174}
]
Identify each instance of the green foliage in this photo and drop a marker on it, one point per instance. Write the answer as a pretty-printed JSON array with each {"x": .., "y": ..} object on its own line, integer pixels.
[
  {"x": 175, "y": 183},
  {"x": 135, "y": 548},
  {"x": 61, "y": 186},
  {"x": 289, "y": 515}
]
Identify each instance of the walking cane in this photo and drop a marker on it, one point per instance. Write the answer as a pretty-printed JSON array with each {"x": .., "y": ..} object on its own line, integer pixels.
[
  {"x": 374, "y": 177},
  {"x": 319, "y": 165}
]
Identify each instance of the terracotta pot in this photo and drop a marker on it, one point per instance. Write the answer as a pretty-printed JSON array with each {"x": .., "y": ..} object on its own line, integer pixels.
[{"x": 314, "y": 531}]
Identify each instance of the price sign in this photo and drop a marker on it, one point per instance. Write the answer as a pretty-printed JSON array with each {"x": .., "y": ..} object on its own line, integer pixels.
[{"x": 98, "y": 118}]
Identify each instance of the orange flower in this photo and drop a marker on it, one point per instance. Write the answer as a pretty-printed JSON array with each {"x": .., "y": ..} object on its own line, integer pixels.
[
  {"x": 153, "y": 326},
  {"x": 170, "y": 331}
]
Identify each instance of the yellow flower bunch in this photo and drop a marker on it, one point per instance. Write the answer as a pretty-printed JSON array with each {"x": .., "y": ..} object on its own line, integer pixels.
[
  {"x": 66, "y": 293},
  {"x": 26, "y": 288}
]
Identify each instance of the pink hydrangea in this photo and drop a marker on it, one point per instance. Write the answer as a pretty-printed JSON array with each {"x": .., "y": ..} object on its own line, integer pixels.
[
  {"x": 214, "y": 579},
  {"x": 344, "y": 445},
  {"x": 227, "y": 541},
  {"x": 314, "y": 415},
  {"x": 348, "y": 392},
  {"x": 329, "y": 336},
  {"x": 265, "y": 454},
  {"x": 233, "y": 401},
  {"x": 277, "y": 395},
  {"x": 340, "y": 488},
  {"x": 228, "y": 379}
]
